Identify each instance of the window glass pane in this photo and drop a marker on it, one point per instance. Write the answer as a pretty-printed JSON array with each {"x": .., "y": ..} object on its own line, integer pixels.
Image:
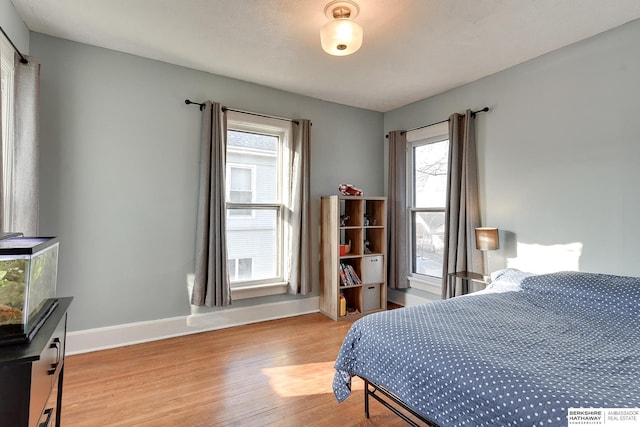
[
  {"x": 239, "y": 213},
  {"x": 260, "y": 153},
  {"x": 430, "y": 174},
  {"x": 428, "y": 243},
  {"x": 7, "y": 134},
  {"x": 231, "y": 266},
  {"x": 244, "y": 268},
  {"x": 240, "y": 179},
  {"x": 253, "y": 240},
  {"x": 240, "y": 196}
]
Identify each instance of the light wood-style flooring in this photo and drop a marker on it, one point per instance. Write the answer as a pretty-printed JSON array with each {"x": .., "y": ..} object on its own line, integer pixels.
[{"x": 275, "y": 373}]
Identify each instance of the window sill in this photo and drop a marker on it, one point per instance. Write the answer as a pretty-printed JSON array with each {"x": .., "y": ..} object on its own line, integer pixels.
[
  {"x": 431, "y": 286},
  {"x": 251, "y": 291},
  {"x": 255, "y": 291}
]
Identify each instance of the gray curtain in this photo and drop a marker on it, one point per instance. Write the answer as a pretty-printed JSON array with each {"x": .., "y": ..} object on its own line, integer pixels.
[
  {"x": 212, "y": 286},
  {"x": 462, "y": 213},
  {"x": 397, "y": 206},
  {"x": 27, "y": 139},
  {"x": 298, "y": 220}
]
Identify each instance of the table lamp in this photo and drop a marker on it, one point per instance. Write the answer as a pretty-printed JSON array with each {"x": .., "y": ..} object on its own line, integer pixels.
[{"x": 487, "y": 239}]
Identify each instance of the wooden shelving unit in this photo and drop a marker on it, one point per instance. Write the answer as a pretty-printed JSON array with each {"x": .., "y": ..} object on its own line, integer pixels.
[{"x": 362, "y": 223}]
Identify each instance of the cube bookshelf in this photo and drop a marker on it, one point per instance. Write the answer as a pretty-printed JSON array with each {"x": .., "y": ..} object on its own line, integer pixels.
[{"x": 353, "y": 260}]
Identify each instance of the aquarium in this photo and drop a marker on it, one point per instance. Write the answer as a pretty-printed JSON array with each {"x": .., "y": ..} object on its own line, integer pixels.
[{"x": 28, "y": 275}]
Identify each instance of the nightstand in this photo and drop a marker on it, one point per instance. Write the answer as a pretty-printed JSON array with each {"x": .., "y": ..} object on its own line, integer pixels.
[{"x": 466, "y": 277}]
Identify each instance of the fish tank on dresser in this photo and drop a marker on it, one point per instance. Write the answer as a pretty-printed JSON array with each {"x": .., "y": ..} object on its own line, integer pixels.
[{"x": 28, "y": 277}]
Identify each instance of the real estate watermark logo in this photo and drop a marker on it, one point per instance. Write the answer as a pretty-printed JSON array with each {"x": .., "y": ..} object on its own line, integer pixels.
[{"x": 614, "y": 417}]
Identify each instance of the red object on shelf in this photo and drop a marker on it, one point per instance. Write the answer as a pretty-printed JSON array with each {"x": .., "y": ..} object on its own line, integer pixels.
[{"x": 349, "y": 190}]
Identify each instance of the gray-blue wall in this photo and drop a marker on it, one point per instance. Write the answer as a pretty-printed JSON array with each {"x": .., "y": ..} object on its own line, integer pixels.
[
  {"x": 119, "y": 171},
  {"x": 559, "y": 152},
  {"x": 14, "y": 27}
]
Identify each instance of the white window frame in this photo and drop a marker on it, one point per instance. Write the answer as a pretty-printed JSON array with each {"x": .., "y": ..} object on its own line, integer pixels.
[
  {"x": 267, "y": 126},
  {"x": 8, "y": 138},
  {"x": 423, "y": 136}
]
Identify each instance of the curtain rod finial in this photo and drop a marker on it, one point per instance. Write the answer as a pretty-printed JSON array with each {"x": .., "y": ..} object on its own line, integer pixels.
[{"x": 189, "y": 102}]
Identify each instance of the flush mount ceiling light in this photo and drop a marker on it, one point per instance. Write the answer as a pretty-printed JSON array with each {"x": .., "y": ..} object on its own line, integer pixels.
[{"x": 341, "y": 35}]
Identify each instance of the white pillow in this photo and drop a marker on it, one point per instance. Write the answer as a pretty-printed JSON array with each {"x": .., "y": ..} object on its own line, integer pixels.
[{"x": 506, "y": 280}]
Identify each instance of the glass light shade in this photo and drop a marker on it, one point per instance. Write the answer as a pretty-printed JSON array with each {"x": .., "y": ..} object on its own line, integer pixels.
[
  {"x": 341, "y": 37},
  {"x": 487, "y": 239}
]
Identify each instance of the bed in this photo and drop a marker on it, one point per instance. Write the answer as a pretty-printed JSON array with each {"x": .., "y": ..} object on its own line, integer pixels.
[{"x": 522, "y": 352}]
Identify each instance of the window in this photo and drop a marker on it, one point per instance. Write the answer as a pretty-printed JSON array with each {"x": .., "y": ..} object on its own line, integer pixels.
[
  {"x": 254, "y": 200},
  {"x": 6, "y": 92},
  {"x": 240, "y": 269},
  {"x": 428, "y": 158}
]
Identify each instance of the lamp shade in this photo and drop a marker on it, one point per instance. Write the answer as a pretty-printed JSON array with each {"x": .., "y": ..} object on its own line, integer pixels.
[
  {"x": 341, "y": 37},
  {"x": 487, "y": 238}
]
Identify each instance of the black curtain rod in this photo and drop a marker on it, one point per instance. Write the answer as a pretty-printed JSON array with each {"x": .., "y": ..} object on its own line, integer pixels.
[
  {"x": 473, "y": 114},
  {"x": 187, "y": 101},
  {"x": 23, "y": 60}
]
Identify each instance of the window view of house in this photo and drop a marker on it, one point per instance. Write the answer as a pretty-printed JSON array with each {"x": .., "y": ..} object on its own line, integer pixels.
[
  {"x": 240, "y": 269},
  {"x": 429, "y": 160},
  {"x": 241, "y": 181},
  {"x": 253, "y": 206}
]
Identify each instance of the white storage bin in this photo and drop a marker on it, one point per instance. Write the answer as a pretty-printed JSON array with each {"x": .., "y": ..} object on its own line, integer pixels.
[
  {"x": 372, "y": 267},
  {"x": 371, "y": 298}
]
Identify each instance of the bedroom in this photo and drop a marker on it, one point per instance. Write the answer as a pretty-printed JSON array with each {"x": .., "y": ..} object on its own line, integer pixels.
[{"x": 557, "y": 154}]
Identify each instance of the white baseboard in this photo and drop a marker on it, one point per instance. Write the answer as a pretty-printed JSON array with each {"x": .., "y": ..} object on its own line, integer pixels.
[{"x": 152, "y": 330}]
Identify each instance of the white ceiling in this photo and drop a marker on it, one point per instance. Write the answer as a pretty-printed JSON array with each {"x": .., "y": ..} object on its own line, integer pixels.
[{"x": 412, "y": 49}]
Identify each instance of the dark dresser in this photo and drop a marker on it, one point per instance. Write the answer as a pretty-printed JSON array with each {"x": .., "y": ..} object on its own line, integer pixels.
[{"x": 32, "y": 373}]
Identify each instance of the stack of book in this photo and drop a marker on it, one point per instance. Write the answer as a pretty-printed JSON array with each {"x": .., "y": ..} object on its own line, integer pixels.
[{"x": 348, "y": 275}]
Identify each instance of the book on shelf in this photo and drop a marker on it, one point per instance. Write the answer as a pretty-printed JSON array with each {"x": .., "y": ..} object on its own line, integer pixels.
[
  {"x": 348, "y": 275},
  {"x": 354, "y": 276},
  {"x": 343, "y": 276}
]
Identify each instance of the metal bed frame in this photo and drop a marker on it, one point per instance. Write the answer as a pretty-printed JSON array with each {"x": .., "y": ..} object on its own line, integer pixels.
[{"x": 374, "y": 390}]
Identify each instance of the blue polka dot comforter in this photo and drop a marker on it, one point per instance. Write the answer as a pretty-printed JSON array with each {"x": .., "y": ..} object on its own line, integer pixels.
[{"x": 566, "y": 340}]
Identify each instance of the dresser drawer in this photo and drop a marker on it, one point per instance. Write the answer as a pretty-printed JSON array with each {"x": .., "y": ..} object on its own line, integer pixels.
[
  {"x": 50, "y": 416},
  {"x": 44, "y": 372}
]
